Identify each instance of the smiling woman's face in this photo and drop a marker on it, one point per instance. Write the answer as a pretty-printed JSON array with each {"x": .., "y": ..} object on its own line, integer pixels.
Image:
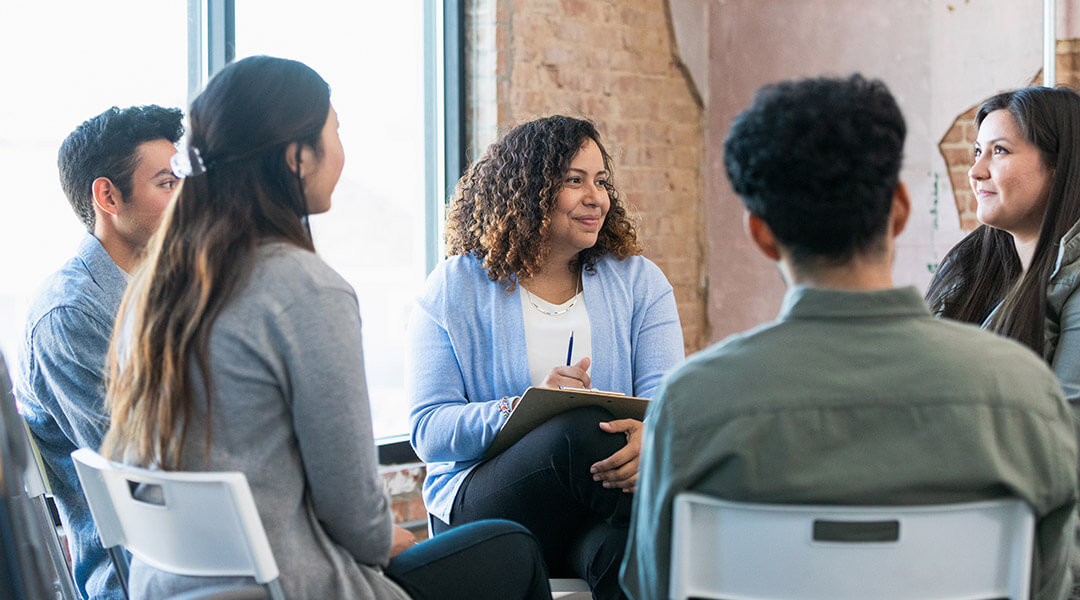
[
  {"x": 583, "y": 202},
  {"x": 1010, "y": 181}
]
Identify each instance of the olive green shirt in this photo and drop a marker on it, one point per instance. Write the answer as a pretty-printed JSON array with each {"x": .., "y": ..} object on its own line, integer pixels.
[{"x": 858, "y": 398}]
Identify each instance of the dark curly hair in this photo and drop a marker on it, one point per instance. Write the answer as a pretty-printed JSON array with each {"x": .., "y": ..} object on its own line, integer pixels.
[
  {"x": 500, "y": 210},
  {"x": 819, "y": 160}
]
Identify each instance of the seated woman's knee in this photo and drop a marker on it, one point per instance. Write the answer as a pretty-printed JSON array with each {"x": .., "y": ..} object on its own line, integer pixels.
[{"x": 577, "y": 432}]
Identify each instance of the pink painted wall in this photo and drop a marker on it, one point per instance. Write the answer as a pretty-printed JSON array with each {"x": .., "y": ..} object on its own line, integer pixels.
[{"x": 938, "y": 57}]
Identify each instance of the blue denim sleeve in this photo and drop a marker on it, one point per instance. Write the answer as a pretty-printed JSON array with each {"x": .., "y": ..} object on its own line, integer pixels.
[{"x": 66, "y": 366}]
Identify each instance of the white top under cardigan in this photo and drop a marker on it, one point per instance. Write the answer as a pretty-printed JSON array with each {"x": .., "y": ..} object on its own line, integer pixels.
[{"x": 548, "y": 331}]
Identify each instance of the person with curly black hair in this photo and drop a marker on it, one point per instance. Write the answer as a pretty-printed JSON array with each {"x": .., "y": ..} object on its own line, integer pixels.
[
  {"x": 856, "y": 394},
  {"x": 541, "y": 252}
]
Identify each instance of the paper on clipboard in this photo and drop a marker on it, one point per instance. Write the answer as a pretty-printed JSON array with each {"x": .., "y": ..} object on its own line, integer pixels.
[{"x": 539, "y": 404}]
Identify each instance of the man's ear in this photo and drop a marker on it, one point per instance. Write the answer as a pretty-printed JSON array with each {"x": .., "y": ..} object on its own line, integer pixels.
[
  {"x": 901, "y": 210},
  {"x": 761, "y": 235},
  {"x": 107, "y": 196}
]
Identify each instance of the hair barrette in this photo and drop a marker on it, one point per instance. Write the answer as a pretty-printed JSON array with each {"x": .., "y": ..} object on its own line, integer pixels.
[{"x": 187, "y": 163}]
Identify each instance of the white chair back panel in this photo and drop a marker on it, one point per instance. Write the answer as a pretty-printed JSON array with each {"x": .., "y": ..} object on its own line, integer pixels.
[
  {"x": 206, "y": 524},
  {"x": 744, "y": 551}
]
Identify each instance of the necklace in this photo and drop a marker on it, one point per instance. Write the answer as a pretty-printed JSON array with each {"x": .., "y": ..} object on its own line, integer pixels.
[{"x": 553, "y": 313}]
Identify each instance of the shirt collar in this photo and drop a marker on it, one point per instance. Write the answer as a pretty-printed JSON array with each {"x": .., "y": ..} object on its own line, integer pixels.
[
  {"x": 101, "y": 266},
  {"x": 805, "y": 302}
]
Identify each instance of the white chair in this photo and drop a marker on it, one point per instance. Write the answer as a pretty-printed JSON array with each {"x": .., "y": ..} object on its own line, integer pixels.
[
  {"x": 206, "y": 524},
  {"x": 740, "y": 551},
  {"x": 38, "y": 486}
]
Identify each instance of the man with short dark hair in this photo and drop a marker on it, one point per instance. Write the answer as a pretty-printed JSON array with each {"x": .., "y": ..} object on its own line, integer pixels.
[
  {"x": 115, "y": 171},
  {"x": 856, "y": 394}
]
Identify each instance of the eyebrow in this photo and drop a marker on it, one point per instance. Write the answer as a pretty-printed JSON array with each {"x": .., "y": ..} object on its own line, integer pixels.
[
  {"x": 584, "y": 172},
  {"x": 162, "y": 172},
  {"x": 997, "y": 139}
]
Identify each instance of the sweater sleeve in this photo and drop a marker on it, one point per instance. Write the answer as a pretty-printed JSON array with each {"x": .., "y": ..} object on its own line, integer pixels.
[
  {"x": 332, "y": 422},
  {"x": 657, "y": 344},
  {"x": 446, "y": 424}
]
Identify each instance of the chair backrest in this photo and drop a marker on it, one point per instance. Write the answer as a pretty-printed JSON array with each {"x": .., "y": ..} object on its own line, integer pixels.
[
  {"x": 198, "y": 524},
  {"x": 724, "y": 549}
]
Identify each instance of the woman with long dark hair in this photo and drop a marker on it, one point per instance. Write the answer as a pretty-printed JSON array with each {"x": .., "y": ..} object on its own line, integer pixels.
[
  {"x": 541, "y": 251},
  {"x": 239, "y": 349},
  {"x": 1017, "y": 272}
]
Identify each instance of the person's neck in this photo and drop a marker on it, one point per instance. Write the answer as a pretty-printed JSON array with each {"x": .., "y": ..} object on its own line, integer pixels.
[
  {"x": 555, "y": 282},
  {"x": 121, "y": 253},
  {"x": 1025, "y": 248},
  {"x": 858, "y": 274}
]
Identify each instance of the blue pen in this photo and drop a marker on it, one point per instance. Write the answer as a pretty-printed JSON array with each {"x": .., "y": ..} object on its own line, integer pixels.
[{"x": 570, "y": 349}]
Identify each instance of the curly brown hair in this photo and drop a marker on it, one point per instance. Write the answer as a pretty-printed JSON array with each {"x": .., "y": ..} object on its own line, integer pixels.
[{"x": 500, "y": 210}]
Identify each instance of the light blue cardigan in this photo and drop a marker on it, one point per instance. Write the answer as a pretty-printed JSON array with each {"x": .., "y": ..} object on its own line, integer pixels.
[{"x": 466, "y": 350}]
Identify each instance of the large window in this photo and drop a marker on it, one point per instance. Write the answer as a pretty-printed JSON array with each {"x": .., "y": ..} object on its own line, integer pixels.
[
  {"x": 374, "y": 235},
  {"x": 384, "y": 65},
  {"x": 64, "y": 62}
]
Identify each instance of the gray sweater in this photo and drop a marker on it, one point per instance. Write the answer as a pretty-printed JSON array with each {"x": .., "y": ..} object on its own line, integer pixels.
[{"x": 290, "y": 410}]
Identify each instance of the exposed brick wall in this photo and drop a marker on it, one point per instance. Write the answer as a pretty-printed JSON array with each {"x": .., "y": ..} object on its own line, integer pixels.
[
  {"x": 614, "y": 62},
  {"x": 403, "y": 483},
  {"x": 956, "y": 145}
]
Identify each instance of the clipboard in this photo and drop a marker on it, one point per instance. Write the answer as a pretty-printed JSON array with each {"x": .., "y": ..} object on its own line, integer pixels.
[{"x": 539, "y": 404}]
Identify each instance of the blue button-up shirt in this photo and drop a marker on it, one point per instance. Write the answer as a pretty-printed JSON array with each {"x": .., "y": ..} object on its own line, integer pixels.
[{"x": 61, "y": 392}]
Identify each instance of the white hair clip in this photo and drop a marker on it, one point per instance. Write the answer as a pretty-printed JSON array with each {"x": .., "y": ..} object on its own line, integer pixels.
[{"x": 187, "y": 163}]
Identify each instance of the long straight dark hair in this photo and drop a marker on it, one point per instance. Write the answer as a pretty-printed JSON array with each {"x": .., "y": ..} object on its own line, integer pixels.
[
  {"x": 984, "y": 270},
  {"x": 242, "y": 124}
]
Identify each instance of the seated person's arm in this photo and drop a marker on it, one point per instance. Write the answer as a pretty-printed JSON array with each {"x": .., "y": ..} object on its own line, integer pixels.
[
  {"x": 646, "y": 564},
  {"x": 446, "y": 424},
  {"x": 657, "y": 341},
  {"x": 332, "y": 422},
  {"x": 67, "y": 364},
  {"x": 1066, "y": 360},
  {"x": 656, "y": 347}
]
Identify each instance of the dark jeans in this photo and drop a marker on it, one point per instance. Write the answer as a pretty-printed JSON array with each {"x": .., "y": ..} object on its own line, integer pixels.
[
  {"x": 492, "y": 559},
  {"x": 543, "y": 482}
]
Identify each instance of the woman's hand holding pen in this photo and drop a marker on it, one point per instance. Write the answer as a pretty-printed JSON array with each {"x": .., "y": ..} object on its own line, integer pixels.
[
  {"x": 575, "y": 376},
  {"x": 620, "y": 470}
]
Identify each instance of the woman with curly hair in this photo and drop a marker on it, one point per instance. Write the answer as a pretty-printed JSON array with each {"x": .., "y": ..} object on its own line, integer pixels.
[{"x": 541, "y": 250}]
